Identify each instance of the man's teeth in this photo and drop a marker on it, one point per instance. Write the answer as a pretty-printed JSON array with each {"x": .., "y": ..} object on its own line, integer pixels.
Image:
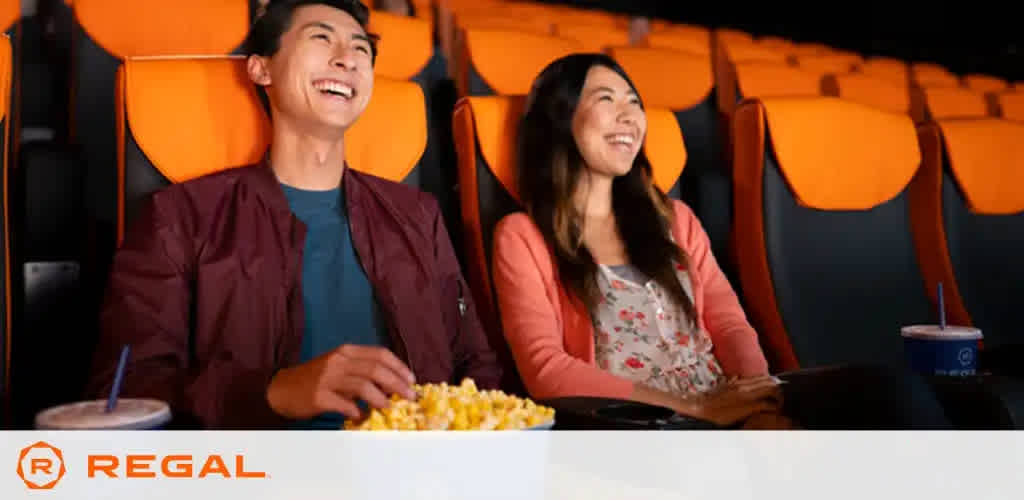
[
  {"x": 621, "y": 139},
  {"x": 335, "y": 88}
]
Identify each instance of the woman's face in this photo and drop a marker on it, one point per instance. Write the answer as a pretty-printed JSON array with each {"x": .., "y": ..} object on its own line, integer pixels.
[{"x": 609, "y": 125}]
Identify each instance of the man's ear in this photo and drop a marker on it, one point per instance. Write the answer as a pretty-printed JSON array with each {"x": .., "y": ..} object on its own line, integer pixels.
[{"x": 259, "y": 72}]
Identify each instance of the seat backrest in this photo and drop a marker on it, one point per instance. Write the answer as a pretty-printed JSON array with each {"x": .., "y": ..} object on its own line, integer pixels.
[
  {"x": 823, "y": 242},
  {"x": 811, "y": 49},
  {"x": 406, "y": 45},
  {"x": 829, "y": 63},
  {"x": 968, "y": 214},
  {"x": 1011, "y": 105},
  {"x": 6, "y": 77},
  {"x": 182, "y": 118},
  {"x": 866, "y": 89},
  {"x": 731, "y": 35},
  {"x": 933, "y": 75},
  {"x": 776, "y": 42},
  {"x": 105, "y": 33},
  {"x": 886, "y": 68},
  {"x": 940, "y": 103},
  {"x": 485, "y": 139},
  {"x": 985, "y": 83},
  {"x": 593, "y": 38},
  {"x": 761, "y": 79},
  {"x": 694, "y": 42},
  {"x": 486, "y": 60}
]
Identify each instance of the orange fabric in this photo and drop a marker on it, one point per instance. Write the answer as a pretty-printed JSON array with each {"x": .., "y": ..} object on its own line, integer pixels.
[
  {"x": 551, "y": 334},
  {"x": 775, "y": 42},
  {"x": 928, "y": 229},
  {"x": 877, "y": 92},
  {"x": 739, "y": 52},
  {"x": 194, "y": 116},
  {"x": 667, "y": 78},
  {"x": 827, "y": 64},
  {"x": 933, "y": 75},
  {"x": 955, "y": 102},
  {"x": 478, "y": 21},
  {"x": 748, "y": 132},
  {"x": 157, "y": 27},
  {"x": 477, "y": 268},
  {"x": 811, "y": 49},
  {"x": 1011, "y": 105},
  {"x": 690, "y": 30},
  {"x": 496, "y": 120},
  {"x": 680, "y": 40},
  {"x": 406, "y": 45},
  {"x": 985, "y": 83},
  {"x": 664, "y": 147},
  {"x": 10, "y": 13},
  {"x": 870, "y": 154},
  {"x": 889, "y": 69},
  {"x": 761, "y": 79},
  {"x": 6, "y": 77},
  {"x": 593, "y": 38},
  {"x": 489, "y": 52},
  {"x": 389, "y": 138},
  {"x": 986, "y": 157},
  {"x": 1018, "y": 85},
  {"x": 729, "y": 35}
]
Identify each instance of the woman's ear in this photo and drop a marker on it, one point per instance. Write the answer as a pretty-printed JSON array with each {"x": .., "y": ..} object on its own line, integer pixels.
[{"x": 259, "y": 70}]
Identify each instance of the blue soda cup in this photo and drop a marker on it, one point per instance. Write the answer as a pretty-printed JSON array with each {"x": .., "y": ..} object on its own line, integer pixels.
[{"x": 932, "y": 350}]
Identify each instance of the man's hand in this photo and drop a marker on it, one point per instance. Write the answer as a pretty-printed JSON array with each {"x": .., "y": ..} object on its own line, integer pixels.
[{"x": 337, "y": 380}]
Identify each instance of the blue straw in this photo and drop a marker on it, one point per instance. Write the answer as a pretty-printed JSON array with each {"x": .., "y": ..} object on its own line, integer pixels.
[
  {"x": 118, "y": 378},
  {"x": 942, "y": 309}
]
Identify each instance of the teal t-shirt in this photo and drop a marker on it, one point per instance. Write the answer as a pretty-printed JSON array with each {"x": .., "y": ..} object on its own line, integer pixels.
[{"x": 339, "y": 304}]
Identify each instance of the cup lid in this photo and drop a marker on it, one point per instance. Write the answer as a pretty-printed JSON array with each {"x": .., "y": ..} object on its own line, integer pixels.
[
  {"x": 935, "y": 332},
  {"x": 128, "y": 414}
]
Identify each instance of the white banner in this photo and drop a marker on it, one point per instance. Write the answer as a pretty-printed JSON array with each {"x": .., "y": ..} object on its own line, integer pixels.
[{"x": 512, "y": 465}]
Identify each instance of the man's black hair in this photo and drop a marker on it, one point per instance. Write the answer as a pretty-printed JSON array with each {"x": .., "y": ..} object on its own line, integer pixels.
[{"x": 264, "y": 36}]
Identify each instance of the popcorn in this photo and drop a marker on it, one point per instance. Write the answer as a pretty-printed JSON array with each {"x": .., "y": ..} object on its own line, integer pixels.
[{"x": 462, "y": 407}]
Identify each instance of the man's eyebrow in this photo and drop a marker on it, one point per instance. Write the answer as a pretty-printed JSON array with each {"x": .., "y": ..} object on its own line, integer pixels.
[{"x": 319, "y": 24}]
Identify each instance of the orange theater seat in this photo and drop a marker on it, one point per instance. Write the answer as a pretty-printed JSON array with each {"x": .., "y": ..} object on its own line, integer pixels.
[
  {"x": 933, "y": 75},
  {"x": 831, "y": 63},
  {"x": 694, "y": 42},
  {"x": 593, "y": 38},
  {"x": 6, "y": 77},
  {"x": 486, "y": 64},
  {"x": 405, "y": 48},
  {"x": 938, "y": 103},
  {"x": 182, "y": 118},
  {"x": 811, "y": 49},
  {"x": 485, "y": 138},
  {"x": 777, "y": 43},
  {"x": 731, "y": 35},
  {"x": 766, "y": 79},
  {"x": 886, "y": 68},
  {"x": 108, "y": 31},
  {"x": 866, "y": 89},
  {"x": 985, "y": 83},
  {"x": 968, "y": 217},
  {"x": 1011, "y": 106},
  {"x": 822, "y": 226},
  {"x": 10, "y": 17}
]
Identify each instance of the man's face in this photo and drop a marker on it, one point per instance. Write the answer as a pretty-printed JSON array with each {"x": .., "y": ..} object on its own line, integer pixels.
[{"x": 322, "y": 75}]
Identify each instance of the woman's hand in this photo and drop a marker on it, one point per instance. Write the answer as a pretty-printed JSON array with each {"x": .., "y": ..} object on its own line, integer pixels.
[{"x": 735, "y": 401}]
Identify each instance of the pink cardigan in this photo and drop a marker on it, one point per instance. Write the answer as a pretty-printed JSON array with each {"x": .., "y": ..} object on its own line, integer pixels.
[{"x": 552, "y": 338}]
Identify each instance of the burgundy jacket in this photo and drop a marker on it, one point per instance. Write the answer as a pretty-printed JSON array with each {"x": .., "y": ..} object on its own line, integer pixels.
[{"x": 207, "y": 290}]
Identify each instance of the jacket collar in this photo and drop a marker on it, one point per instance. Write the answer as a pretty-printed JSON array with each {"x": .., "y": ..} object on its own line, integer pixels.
[{"x": 262, "y": 179}]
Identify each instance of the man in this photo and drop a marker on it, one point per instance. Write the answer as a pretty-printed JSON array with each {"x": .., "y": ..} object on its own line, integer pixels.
[{"x": 291, "y": 293}]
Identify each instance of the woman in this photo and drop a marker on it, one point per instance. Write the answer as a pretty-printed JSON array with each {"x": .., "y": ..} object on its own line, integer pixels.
[
  {"x": 608, "y": 288},
  {"x": 635, "y": 305}
]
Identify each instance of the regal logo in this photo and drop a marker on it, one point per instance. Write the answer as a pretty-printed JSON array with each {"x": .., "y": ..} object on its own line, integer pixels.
[{"x": 41, "y": 466}]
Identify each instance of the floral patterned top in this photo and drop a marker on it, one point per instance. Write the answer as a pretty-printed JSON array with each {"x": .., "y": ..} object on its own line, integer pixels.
[{"x": 641, "y": 334}]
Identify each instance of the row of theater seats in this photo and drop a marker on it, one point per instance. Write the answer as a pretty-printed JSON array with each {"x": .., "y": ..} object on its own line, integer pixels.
[{"x": 816, "y": 226}]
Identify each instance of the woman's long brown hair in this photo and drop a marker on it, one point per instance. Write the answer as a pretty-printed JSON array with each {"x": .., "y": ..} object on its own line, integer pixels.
[{"x": 551, "y": 167}]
